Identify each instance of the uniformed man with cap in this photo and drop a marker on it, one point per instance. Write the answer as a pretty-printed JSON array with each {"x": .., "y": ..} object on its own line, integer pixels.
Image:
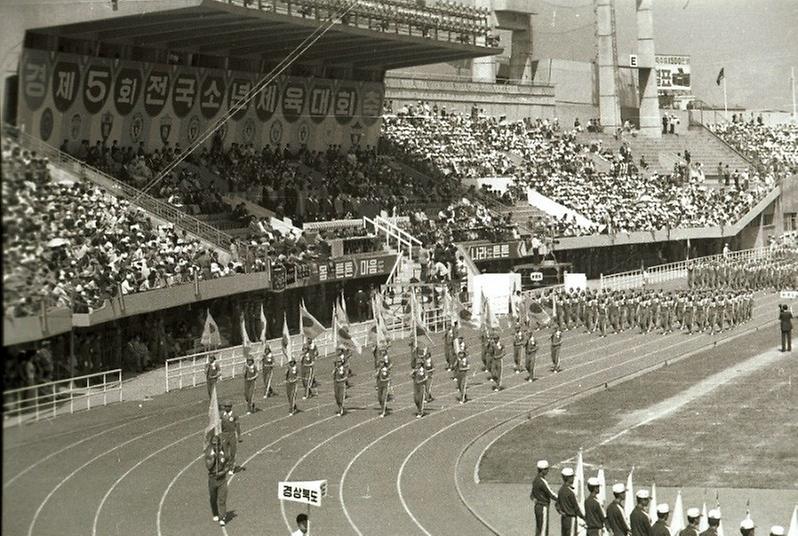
[
  {"x": 616, "y": 520},
  {"x": 383, "y": 375},
  {"x": 231, "y": 433},
  {"x": 291, "y": 379},
  {"x": 217, "y": 463},
  {"x": 556, "y": 343},
  {"x": 567, "y": 505},
  {"x": 747, "y": 527},
  {"x": 594, "y": 513},
  {"x": 541, "y": 496},
  {"x": 713, "y": 520},
  {"x": 639, "y": 521},
  {"x": 339, "y": 384},
  {"x": 660, "y": 527},
  {"x": 419, "y": 377},
  {"x": 776, "y": 530},
  {"x": 693, "y": 520}
]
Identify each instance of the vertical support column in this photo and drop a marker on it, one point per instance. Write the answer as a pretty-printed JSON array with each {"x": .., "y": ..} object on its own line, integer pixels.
[
  {"x": 484, "y": 69},
  {"x": 609, "y": 103},
  {"x": 521, "y": 54},
  {"x": 647, "y": 75}
]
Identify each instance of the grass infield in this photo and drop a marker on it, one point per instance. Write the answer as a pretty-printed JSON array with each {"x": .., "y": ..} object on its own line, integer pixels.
[{"x": 740, "y": 433}]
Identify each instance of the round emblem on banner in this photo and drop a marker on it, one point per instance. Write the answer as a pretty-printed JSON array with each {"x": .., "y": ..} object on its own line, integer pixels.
[
  {"x": 46, "y": 124},
  {"x": 106, "y": 124},
  {"x": 166, "y": 128},
  {"x": 193, "y": 128},
  {"x": 74, "y": 126},
  {"x": 248, "y": 132},
  {"x": 136, "y": 127},
  {"x": 276, "y": 133},
  {"x": 303, "y": 134}
]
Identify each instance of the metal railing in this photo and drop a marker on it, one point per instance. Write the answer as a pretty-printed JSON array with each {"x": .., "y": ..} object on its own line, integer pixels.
[
  {"x": 189, "y": 370},
  {"x": 673, "y": 270},
  {"x": 51, "y": 399},
  {"x": 121, "y": 190},
  {"x": 395, "y": 236}
]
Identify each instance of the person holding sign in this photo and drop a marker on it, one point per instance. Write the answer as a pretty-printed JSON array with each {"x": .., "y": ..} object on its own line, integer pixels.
[
  {"x": 419, "y": 377},
  {"x": 291, "y": 379},
  {"x": 267, "y": 368},
  {"x": 339, "y": 384},
  {"x": 217, "y": 463}
]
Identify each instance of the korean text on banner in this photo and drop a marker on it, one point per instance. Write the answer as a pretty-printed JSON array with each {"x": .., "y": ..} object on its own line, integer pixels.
[{"x": 307, "y": 492}]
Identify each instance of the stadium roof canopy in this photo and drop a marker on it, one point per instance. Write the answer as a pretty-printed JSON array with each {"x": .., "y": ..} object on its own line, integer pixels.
[{"x": 229, "y": 29}]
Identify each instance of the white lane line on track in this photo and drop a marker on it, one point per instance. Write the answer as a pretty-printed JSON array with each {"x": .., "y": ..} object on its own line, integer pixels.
[
  {"x": 71, "y": 445},
  {"x": 370, "y": 445},
  {"x": 576, "y": 380},
  {"x": 102, "y": 454}
]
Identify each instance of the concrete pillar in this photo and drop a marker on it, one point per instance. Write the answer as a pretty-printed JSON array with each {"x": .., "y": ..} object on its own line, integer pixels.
[
  {"x": 521, "y": 54},
  {"x": 650, "y": 125},
  {"x": 609, "y": 103},
  {"x": 484, "y": 69}
]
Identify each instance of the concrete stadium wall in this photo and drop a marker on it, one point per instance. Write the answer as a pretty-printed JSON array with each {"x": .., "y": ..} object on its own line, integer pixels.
[
  {"x": 514, "y": 101},
  {"x": 20, "y": 16}
]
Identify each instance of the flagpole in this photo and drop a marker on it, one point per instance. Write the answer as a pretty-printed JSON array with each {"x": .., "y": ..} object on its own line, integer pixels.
[
  {"x": 725, "y": 102},
  {"x": 413, "y": 316}
]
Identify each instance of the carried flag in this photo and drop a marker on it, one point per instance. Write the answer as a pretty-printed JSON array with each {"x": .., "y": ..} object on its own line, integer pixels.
[
  {"x": 214, "y": 420},
  {"x": 721, "y": 76},
  {"x": 602, "y": 494},
  {"x": 579, "y": 485},
  {"x": 487, "y": 320},
  {"x": 210, "y": 333},
  {"x": 677, "y": 519},
  {"x": 652, "y": 506},
  {"x": 415, "y": 317},
  {"x": 379, "y": 329},
  {"x": 263, "y": 324},
  {"x": 703, "y": 523},
  {"x": 628, "y": 506},
  {"x": 720, "y": 523},
  {"x": 245, "y": 342},
  {"x": 311, "y": 328},
  {"x": 286, "y": 343},
  {"x": 536, "y": 312},
  {"x": 793, "y": 530},
  {"x": 343, "y": 331}
]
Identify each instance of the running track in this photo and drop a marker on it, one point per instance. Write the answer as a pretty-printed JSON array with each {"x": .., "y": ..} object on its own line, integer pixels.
[{"x": 127, "y": 471}]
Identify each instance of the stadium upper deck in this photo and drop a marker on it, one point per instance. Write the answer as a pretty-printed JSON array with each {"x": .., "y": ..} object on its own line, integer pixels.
[{"x": 252, "y": 34}]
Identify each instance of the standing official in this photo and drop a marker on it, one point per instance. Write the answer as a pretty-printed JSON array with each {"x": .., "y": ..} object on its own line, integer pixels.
[
  {"x": 594, "y": 513},
  {"x": 250, "y": 375},
  {"x": 541, "y": 496},
  {"x": 291, "y": 379},
  {"x": 639, "y": 520},
  {"x": 785, "y": 319},
  {"x": 217, "y": 464},
  {"x": 339, "y": 384},
  {"x": 556, "y": 343},
  {"x": 267, "y": 369},
  {"x": 660, "y": 527},
  {"x": 212, "y": 373},
  {"x": 567, "y": 505},
  {"x": 462, "y": 375},
  {"x": 231, "y": 434},
  {"x": 693, "y": 520},
  {"x": 616, "y": 520}
]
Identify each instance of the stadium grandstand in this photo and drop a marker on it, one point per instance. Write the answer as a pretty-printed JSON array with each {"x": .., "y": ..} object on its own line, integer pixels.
[{"x": 193, "y": 186}]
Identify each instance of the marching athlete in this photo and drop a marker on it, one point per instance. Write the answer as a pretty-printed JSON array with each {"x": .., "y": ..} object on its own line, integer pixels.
[
  {"x": 250, "y": 375},
  {"x": 383, "y": 375},
  {"x": 339, "y": 384},
  {"x": 291, "y": 379},
  {"x": 267, "y": 369},
  {"x": 462, "y": 375},
  {"x": 212, "y": 373},
  {"x": 419, "y": 377},
  {"x": 531, "y": 352}
]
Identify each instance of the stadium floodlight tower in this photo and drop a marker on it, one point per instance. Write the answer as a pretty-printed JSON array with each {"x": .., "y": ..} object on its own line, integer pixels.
[
  {"x": 646, "y": 72},
  {"x": 607, "y": 60}
]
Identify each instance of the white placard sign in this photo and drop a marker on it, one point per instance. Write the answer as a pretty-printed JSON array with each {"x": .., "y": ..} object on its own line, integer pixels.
[
  {"x": 575, "y": 281},
  {"x": 307, "y": 492},
  {"x": 789, "y": 294}
]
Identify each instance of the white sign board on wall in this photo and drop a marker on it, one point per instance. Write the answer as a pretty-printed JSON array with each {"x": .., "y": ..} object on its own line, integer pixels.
[
  {"x": 575, "y": 281},
  {"x": 497, "y": 288}
]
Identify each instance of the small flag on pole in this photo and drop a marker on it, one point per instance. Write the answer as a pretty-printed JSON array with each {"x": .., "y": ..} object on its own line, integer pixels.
[
  {"x": 343, "y": 331},
  {"x": 703, "y": 523},
  {"x": 677, "y": 519},
  {"x": 720, "y": 523},
  {"x": 245, "y": 342},
  {"x": 579, "y": 484},
  {"x": 793, "y": 530},
  {"x": 417, "y": 322},
  {"x": 264, "y": 325},
  {"x": 652, "y": 506},
  {"x": 721, "y": 76},
  {"x": 628, "y": 505},
  {"x": 602, "y": 494}
]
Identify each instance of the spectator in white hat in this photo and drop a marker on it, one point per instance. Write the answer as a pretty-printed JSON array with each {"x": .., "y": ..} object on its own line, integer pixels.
[
  {"x": 639, "y": 520},
  {"x": 747, "y": 527},
  {"x": 594, "y": 513},
  {"x": 567, "y": 505},
  {"x": 713, "y": 519},
  {"x": 660, "y": 527},
  {"x": 616, "y": 520},
  {"x": 693, "y": 519},
  {"x": 541, "y": 496}
]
